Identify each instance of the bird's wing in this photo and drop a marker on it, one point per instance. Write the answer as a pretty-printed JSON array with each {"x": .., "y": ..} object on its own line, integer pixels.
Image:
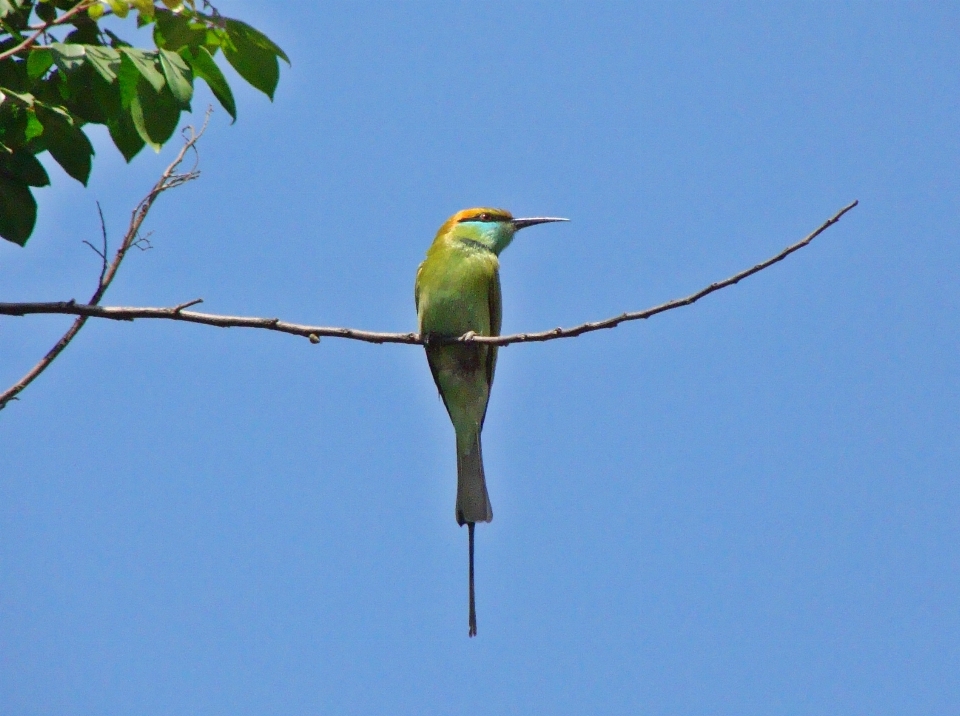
[
  {"x": 431, "y": 352},
  {"x": 416, "y": 290},
  {"x": 496, "y": 318},
  {"x": 432, "y": 361},
  {"x": 493, "y": 301}
]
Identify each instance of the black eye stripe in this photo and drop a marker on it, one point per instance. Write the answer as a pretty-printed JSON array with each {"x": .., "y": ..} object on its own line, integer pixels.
[{"x": 484, "y": 218}]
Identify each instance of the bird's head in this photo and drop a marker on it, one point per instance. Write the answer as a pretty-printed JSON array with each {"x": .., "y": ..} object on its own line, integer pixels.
[{"x": 491, "y": 228}]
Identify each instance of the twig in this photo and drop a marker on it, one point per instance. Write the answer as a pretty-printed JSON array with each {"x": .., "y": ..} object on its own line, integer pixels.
[
  {"x": 80, "y": 7},
  {"x": 615, "y": 321},
  {"x": 187, "y": 304},
  {"x": 178, "y": 313},
  {"x": 142, "y": 242},
  {"x": 102, "y": 254},
  {"x": 170, "y": 179}
]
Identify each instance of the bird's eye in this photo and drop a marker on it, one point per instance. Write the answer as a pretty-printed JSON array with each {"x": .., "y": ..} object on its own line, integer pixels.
[{"x": 484, "y": 217}]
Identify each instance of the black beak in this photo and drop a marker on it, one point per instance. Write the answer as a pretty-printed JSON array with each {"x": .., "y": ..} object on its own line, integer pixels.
[{"x": 524, "y": 223}]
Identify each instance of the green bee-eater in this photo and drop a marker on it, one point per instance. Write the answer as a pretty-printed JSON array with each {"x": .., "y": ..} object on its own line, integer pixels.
[{"x": 457, "y": 292}]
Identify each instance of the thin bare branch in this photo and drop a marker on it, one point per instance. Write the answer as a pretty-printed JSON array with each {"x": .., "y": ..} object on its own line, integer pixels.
[
  {"x": 98, "y": 252},
  {"x": 142, "y": 242},
  {"x": 314, "y": 333},
  {"x": 170, "y": 179},
  {"x": 615, "y": 321},
  {"x": 187, "y": 304},
  {"x": 105, "y": 262}
]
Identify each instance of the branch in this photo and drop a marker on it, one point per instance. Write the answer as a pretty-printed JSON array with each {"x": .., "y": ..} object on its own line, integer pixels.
[
  {"x": 314, "y": 333},
  {"x": 170, "y": 179},
  {"x": 80, "y": 7},
  {"x": 615, "y": 321}
]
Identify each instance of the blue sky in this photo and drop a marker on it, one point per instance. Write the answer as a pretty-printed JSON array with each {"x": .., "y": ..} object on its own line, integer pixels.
[{"x": 748, "y": 506}]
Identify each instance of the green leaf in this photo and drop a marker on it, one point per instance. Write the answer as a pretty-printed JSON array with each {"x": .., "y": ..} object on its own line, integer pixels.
[
  {"x": 23, "y": 167},
  {"x": 214, "y": 38},
  {"x": 18, "y": 211},
  {"x": 146, "y": 63},
  {"x": 104, "y": 60},
  {"x": 87, "y": 32},
  {"x": 161, "y": 112},
  {"x": 46, "y": 11},
  {"x": 255, "y": 63},
  {"x": 154, "y": 115},
  {"x": 7, "y": 7},
  {"x": 14, "y": 119},
  {"x": 24, "y": 97},
  {"x": 128, "y": 77},
  {"x": 145, "y": 11},
  {"x": 136, "y": 114},
  {"x": 131, "y": 118},
  {"x": 92, "y": 98},
  {"x": 119, "y": 7},
  {"x": 179, "y": 77},
  {"x": 107, "y": 97},
  {"x": 256, "y": 37},
  {"x": 39, "y": 61},
  {"x": 204, "y": 67},
  {"x": 67, "y": 57},
  {"x": 56, "y": 109},
  {"x": 13, "y": 75},
  {"x": 175, "y": 30},
  {"x": 125, "y": 135},
  {"x": 34, "y": 127},
  {"x": 67, "y": 143}
]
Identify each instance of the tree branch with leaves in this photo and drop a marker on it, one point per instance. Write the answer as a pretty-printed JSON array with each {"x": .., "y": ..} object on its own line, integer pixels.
[
  {"x": 173, "y": 177},
  {"x": 62, "y": 68},
  {"x": 51, "y": 86}
]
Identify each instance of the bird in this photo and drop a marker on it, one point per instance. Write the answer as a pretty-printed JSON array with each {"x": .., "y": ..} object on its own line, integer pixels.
[{"x": 457, "y": 294}]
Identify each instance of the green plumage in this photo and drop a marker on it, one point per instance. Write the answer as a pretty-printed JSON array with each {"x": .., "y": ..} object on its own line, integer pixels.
[{"x": 458, "y": 292}]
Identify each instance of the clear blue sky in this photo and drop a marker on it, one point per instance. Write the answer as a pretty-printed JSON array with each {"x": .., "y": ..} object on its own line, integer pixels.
[{"x": 749, "y": 506}]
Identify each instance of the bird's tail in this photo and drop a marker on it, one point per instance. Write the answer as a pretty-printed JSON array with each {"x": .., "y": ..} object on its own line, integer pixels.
[{"x": 473, "y": 502}]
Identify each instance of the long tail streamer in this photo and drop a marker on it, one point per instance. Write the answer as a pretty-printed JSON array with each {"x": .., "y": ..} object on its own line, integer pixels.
[{"x": 473, "y": 602}]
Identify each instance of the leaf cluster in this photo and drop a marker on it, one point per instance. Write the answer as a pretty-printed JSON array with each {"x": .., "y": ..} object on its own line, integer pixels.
[{"x": 61, "y": 68}]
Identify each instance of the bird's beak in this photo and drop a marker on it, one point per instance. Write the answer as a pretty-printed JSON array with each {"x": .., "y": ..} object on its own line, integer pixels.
[{"x": 524, "y": 223}]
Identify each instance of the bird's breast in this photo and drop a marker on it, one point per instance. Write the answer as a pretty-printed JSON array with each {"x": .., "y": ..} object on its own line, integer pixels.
[{"x": 454, "y": 294}]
